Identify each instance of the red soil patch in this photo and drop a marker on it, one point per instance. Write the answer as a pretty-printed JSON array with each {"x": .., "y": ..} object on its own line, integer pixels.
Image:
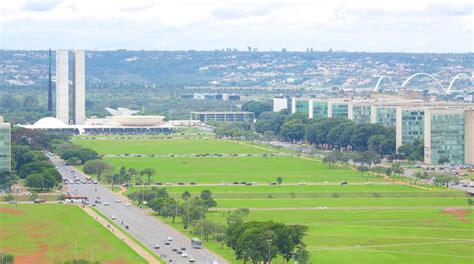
[
  {"x": 458, "y": 213},
  {"x": 11, "y": 211},
  {"x": 36, "y": 258}
]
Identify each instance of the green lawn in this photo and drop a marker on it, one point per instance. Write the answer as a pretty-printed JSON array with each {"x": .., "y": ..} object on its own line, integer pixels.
[
  {"x": 230, "y": 169},
  {"x": 49, "y": 233},
  {"x": 376, "y": 218},
  {"x": 373, "y": 236},
  {"x": 168, "y": 146}
]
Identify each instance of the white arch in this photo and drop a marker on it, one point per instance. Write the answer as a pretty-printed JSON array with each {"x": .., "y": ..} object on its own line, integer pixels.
[
  {"x": 440, "y": 88},
  {"x": 457, "y": 77},
  {"x": 379, "y": 81}
]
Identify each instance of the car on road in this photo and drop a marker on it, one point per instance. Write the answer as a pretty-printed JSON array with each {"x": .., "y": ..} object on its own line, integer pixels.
[
  {"x": 157, "y": 246},
  {"x": 12, "y": 202},
  {"x": 113, "y": 217},
  {"x": 184, "y": 254},
  {"x": 183, "y": 248},
  {"x": 169, "y": 238},
  {"x": 167, "y": 242},
  {"x": 179, "y": 251},
  {"x": 322, "y": 208},
  {"x": 173, "y": 248},
  {"x": 191, "y": 259},
  {"x": 38, "y": 201},
  {"x": 127, "y": 205},
  {"x": 106, "y": 203},
  {"x": 118, "y": 201}
]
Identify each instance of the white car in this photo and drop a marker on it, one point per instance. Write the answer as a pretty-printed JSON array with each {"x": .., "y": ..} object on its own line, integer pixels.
[
  {"x": 322, "y": 208},
  {"x": 184, "y": 254},
  {"x": 106, "y": 203},
  {"x": 113, "y": 217},
  {"x": 118, "y": 201},
  {"x": 191, "y": 259},
  {"x": 169, "y": 238},
  {"x": 127, "y": 205}
]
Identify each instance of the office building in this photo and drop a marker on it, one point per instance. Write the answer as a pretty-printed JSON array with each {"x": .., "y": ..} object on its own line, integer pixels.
[
  {"x": 222, "y": 116},
  {"x": 79, "y": 87},
  {"x": 62, "y": 86},
  {"x": 5, "y": 146},
  {"x": 445, "y": 129}
]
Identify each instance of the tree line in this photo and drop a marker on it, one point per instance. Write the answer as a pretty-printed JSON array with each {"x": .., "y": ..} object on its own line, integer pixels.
[
  {"x": 253, "y": 241},
  {"x": 29, "y": 163},
  {"x": 324, "y": 133}
]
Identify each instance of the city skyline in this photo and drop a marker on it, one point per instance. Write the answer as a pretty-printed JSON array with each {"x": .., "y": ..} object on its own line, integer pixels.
[{"x": 403, "y": 26}]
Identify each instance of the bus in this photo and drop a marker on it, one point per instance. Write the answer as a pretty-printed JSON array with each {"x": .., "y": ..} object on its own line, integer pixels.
[{"x": 196, "y": 243}]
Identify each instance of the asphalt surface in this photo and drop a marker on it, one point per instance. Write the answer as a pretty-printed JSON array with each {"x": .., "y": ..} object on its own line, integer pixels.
[{"x": 142, "y": 226}]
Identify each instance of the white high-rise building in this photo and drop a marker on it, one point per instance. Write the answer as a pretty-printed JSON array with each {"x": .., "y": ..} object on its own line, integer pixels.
[
  {"x": 62, "y": 85},
  {"x": 79, "y": 88}
]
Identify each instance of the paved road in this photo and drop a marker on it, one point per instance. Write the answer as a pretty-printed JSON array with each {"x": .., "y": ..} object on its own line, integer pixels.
[{"x": 144, "y": 227}]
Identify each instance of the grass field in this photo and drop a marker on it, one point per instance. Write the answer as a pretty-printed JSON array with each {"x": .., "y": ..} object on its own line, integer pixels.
[
  {"x": 374, "y": 236},
  {"x": 49, "y": 233},
  {"x": 381, "y": 223},
  {"x": 168, "y": 146},
  {"x": 229, "y": 169}
]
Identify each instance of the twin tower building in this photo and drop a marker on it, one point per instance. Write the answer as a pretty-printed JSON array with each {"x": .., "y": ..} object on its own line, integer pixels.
[{"x": 78, "y": 86}]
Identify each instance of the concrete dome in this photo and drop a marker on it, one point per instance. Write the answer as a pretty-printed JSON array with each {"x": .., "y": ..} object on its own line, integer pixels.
[{"x": 49, "y": 122}]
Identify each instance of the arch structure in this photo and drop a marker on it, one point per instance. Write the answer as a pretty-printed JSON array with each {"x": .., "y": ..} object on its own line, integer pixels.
[
  {"x": 379, "y": 82},
  {"x": 459, "y": 75},
  {"x": 440, "y": 86}
]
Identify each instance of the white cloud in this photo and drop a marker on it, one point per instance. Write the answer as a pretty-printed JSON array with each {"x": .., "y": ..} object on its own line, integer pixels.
[{"x": 414, "y": 25}]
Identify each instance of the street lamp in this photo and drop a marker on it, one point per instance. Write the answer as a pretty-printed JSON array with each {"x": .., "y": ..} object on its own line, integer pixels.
[{"x": 269, "y": 241}]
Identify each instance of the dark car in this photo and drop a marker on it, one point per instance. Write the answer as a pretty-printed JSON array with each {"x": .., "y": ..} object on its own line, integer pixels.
[
  {"x": 344, "y": 183},
  {"x": 38, "y": 201}
]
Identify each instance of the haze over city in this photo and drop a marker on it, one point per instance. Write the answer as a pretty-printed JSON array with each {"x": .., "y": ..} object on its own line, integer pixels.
[{"x": 367, "y": 25}]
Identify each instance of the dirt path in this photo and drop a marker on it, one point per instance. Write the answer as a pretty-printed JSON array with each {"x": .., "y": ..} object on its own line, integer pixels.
[{"x": 119, "y": 234}]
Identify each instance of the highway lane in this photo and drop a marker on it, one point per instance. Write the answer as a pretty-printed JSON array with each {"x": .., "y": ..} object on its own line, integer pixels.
[{"x": 145, "y": 228}]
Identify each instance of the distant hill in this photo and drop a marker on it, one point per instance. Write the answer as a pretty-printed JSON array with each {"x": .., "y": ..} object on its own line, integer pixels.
[{"x": 176, "y": 69}]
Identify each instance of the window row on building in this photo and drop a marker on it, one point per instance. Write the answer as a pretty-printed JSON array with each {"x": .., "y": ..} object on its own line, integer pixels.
[
  {"x": 445, "y": 129},
  {"x": 5, "y": 146}
]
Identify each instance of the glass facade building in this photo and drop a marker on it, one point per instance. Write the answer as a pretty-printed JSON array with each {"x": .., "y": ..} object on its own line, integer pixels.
[
  {"x": 361, "y": 114},
  {"x": 340, "y": 110},
  {"x": 445, "y": 136},
  {"x": 222, "y": 116},
  {"x": 302, "y": 106},
  {"x": 386, "y": 116},
  {"x": 320, "y": 109},
  {"x": 5, "y": 146},
  {"x": 412, "y": 126}
]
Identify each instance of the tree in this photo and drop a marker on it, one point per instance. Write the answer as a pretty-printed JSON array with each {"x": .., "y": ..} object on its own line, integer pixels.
[
  {"x": 443, "y": 179},
  {"x": 208, "y": 201},
  {"x": 302, "y": 255},
  {"x": 420, "y": 176},
  {"x": 362, "y": 169},
  {"x": 6, "y": 258},
  {"x": 279, "y": 180},
  {"x": 470, "y": 202},
  {"x": 149, "y": 172},
  {"x": 292, "y": 130},
  {"x": 257, "y": 107},
  {"x": 35, "y": 181},
  {"x": 186, "y": 195},
  {"x": 7, "y": 179},
  {"x": 443, "y": 160},
  {"x": 205, "y": 227},
  {"x": 237, "y": 217},
  {"x": 96, "y": 167}
]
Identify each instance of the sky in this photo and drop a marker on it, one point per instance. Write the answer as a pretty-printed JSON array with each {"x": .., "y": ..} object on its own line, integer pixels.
[{"x": 351, "y": 25}]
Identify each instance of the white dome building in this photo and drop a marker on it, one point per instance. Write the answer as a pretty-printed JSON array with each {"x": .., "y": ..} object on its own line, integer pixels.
[{"x": 49, "y": 122}]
